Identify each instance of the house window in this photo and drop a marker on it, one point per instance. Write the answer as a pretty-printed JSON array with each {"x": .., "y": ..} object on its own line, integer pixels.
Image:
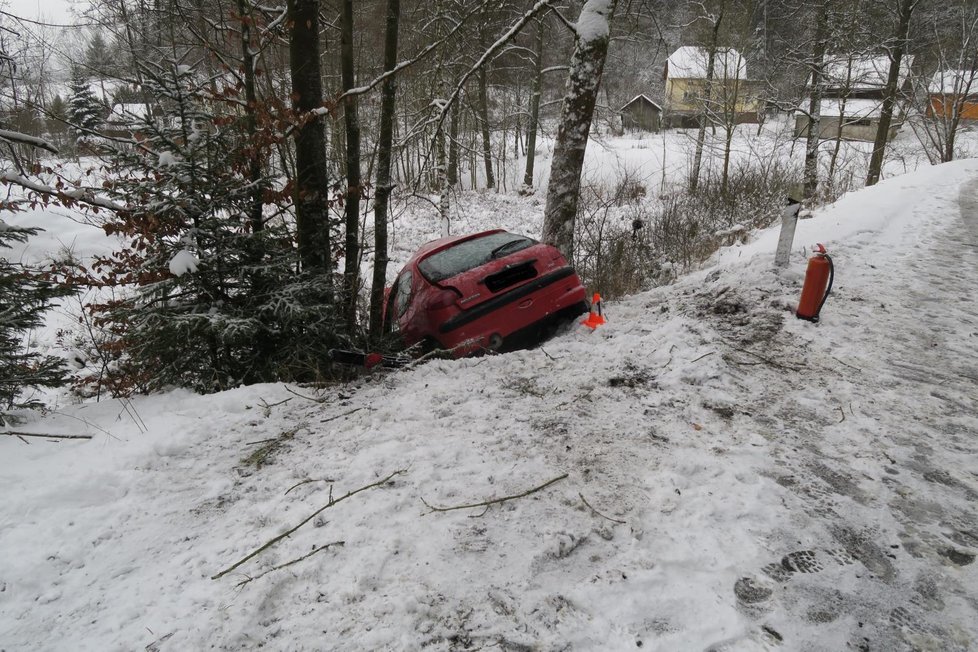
[{"x": 862, "y": 122}]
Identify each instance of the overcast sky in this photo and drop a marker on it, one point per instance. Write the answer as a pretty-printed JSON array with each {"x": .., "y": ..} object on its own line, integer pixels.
[{"x": 56, "y": 11}]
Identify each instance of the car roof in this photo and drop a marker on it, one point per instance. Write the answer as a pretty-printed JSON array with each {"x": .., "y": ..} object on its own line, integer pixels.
[{"x": 444, "y": 243}]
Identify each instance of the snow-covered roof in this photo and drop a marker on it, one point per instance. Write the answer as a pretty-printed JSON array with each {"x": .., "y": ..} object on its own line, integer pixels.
[
  {"x": 856, "y": 108},
  {"x": 690, "y": 62},
  {"x": 128, "y": 113},
  {"x": 956, "y": 82},
  {"x": 867, "y": 72},
  {"x": 641, "y": 96}
]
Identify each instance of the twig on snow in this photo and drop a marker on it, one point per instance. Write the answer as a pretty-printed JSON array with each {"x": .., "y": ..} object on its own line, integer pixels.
[
  {"x": 773, "y": 363},
  {"x": 843, "y": 412},
  {"x": 307, "y": 481},
  {"x": 494, "y": 501},
  {"x": 844, "y": 364},
  {"x": 613, "y": 520},
  {"x": 267, "y": 407},
  {"x": 271, "y": 542},
  {"x": 42, "y": 435},
  {"x": 314, "y": 399},
  {"x": 289, "y": 563},
  {"x": 340, "y": 416},
  {"x": 702, "y": 356}
]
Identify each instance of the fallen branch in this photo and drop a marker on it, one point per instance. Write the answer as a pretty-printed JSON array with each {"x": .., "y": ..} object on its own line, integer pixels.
[
  {"x": 613, "y": 520},
  {"x": 773, "y": 363},
  {"x": 267, "y": 407},
  {"x": 14, "y": 433},
  {"x": 845, "y": 364},
  {"x": 273, "y": 541},
  {"x": 494, "y": 501},
  {"x": 702, "y": 356},
  {"x": 340, "y": 416},
  {"x": 314, "y": 399},
  {"x": 307, "y": 481},
  {"x": 289, "y": 563}
]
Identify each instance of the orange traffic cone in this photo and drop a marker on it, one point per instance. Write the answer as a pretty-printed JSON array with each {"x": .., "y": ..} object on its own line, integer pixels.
[{"x": 594, "y": 319}]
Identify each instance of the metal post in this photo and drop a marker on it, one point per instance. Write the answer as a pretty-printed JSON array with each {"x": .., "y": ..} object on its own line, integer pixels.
[{"x": 789, "y": 219}]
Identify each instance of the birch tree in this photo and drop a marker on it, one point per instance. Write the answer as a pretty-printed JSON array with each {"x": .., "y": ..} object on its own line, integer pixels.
[{"x": 592, "y": 33}]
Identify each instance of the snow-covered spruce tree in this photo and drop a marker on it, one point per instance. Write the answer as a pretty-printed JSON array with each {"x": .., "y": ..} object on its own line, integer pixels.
[
  {"x": 217, "y": 299},
  {"x": 25, "y": 293},
  {"x": 85, "y": 111}
]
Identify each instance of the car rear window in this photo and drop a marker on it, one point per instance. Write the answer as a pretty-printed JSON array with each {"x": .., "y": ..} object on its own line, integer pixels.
[{"x": 470, "y": 254}]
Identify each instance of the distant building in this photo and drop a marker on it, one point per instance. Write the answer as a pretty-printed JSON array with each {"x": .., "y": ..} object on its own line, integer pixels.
[
  {"x": 127, "y": 120},
  {"x": 953, "y": 92},
  {"x": 687, "y": 92},
  {"x": 641, "y": 114},
  {"x": 852, "y": 98}
]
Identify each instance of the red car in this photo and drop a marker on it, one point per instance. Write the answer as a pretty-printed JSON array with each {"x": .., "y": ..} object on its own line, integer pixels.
[{"x": 492, "y": 290}]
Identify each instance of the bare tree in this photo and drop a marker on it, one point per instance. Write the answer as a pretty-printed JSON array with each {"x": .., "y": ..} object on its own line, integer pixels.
[
  {"x": 895, "y": 48},
  {"x": 384, "y": 185},
  {"x": 945, "y": 94},
  {"x": 351, "y": 206},
  {"x": 312, "y": 169}
]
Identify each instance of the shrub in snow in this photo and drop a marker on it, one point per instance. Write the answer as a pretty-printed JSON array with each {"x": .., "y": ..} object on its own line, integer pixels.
[
  {"x": 25, "y": 294},
  {"x": 627, "y": 240}
]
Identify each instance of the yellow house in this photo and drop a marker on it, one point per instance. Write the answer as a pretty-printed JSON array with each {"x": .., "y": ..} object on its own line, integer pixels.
[{"x": 730, "y": 98}]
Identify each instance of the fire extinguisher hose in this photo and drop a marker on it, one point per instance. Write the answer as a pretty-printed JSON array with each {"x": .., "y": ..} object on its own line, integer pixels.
[{"x": 829, "y": 288}]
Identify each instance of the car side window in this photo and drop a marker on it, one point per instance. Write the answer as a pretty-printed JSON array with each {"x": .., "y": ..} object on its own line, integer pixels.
[{"x": 402, "y": 295}]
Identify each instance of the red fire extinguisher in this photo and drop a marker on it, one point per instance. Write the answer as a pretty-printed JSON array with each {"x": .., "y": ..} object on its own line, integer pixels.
[{"x": 818, "y": 285}]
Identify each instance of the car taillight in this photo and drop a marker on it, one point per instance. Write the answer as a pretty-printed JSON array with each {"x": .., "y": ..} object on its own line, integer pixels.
[{"x": 443, "y": 299}]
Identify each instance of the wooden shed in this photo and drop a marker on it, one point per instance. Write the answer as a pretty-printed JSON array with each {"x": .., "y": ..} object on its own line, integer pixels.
[
  {"x": 852, "y": 99},
  {"x": 641, "y": 114},
  {"x": 953, "y": 93}
]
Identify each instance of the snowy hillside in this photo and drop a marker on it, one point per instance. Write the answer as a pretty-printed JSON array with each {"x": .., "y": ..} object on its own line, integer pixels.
[{"x": 725, "y": 477}]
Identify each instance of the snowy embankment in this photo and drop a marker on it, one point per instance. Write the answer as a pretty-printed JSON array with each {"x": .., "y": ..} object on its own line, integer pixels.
[{"x": 736, "y": 479}]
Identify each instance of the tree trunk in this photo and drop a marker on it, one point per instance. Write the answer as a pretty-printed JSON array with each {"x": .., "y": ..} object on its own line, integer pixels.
[
  {"x": 890, "y": 92},
  {"x": 255, "y": 202},
  {"x": 584, "y": 80},
  {"x": 351, "y": 268},
  {"x": 441, "y": 182},
  {"x": 388, "y": 96},
  {"x": 694, "y": 177},
  {"x": 312, "y": 168},
  {"x": 842, "y": 121},
  {"x": 531, "y": 129},
  {"x": 453, "y": 146},
  {"x": 484, "y": 120},
  {"x": 815, "y": 100}
]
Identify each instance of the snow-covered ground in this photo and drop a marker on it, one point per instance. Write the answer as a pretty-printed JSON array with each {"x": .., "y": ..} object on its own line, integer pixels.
[{"x": 727, "y": 477}]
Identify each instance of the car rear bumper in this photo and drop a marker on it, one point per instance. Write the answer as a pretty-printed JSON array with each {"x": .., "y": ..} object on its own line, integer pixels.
[{"x": 514, "y": 310}]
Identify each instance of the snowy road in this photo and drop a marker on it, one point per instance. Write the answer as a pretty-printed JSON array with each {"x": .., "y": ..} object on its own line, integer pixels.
[{"x": 736, "y": 480}]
